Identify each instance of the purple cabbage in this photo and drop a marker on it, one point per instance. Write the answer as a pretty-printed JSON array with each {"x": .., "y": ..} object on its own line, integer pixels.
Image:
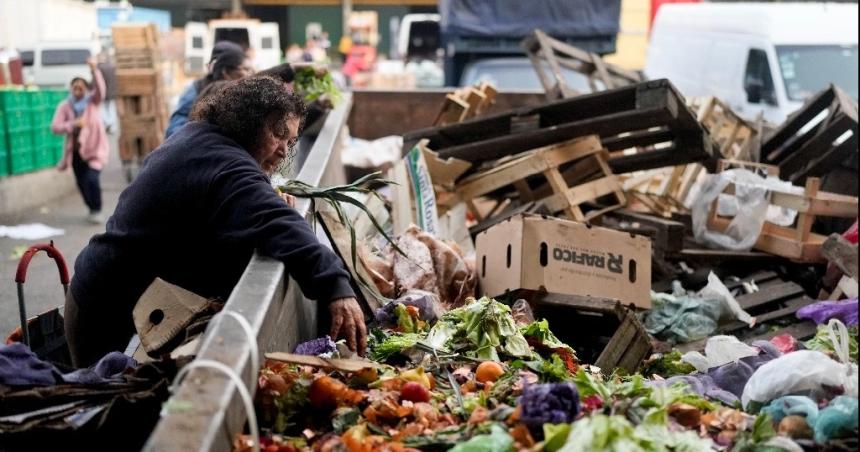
[
  {"x": 316, "y": 347},
  {"x": 551, "y": 403},
  {"x": 426, "y": 302}
]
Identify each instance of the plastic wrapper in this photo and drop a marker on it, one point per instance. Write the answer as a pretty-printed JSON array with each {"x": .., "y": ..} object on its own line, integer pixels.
[
  {"x": 785, "y": 342},
  {"x": 837, "y": 420},
  {"x": 719, "y": 350},
  {"x": 427, "y": 303},
  {"x": 683, "y": 317},
  {"x": 821, "y": 312},
  {"x": 798, "y": 372},
  {"x": 792, "y": 405},
  {"x": 749, "y": 203}
]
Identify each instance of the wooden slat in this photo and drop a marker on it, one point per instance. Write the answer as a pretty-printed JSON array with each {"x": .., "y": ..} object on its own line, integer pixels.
[{"x": 770, "y": 294}]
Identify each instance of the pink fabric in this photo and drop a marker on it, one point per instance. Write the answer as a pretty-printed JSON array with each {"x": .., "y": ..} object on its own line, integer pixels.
[{"x": 94, "y": 147}]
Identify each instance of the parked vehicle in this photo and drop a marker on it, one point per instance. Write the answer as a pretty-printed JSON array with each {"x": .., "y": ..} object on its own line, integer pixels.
[
  {"x": 482, "y": 29},
  {"x": 517, "y": 74},
  {"x": 418, "y": 37},
  {"x": 261, "y": 38},
  {"x": 756, "y": 57},
  {"x": 56, "y": 63}
]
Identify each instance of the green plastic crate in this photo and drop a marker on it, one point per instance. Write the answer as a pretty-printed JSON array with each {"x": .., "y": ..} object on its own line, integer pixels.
[
  {"x": 4, "y": 161},
  {"x": 20, "y": 139},
  {"x": 43, "y": 137},
  {"x": 21, "y": 161},
  {"x": 13, "y": 99},
  {"x": 44, "y": 157},
  {"x": 17, "y": 120},
  {"x": 41, "y": 118}
]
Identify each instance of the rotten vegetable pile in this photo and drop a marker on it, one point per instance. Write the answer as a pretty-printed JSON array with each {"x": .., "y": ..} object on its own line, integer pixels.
[{"x": 479, "y": 379}]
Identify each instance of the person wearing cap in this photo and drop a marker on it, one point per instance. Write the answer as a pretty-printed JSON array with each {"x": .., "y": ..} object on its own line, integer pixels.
[{"x": 229, "y": 62}]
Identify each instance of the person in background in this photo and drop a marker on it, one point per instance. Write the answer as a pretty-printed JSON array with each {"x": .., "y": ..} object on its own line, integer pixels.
[
  {"x": 86, "y": 146},
  {"x": 229, "y": 62}
]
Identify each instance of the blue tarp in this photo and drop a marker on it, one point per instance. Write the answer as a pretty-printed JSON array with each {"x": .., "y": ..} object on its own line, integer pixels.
[
  {"x": 108, "y": 15},
  {"x": 518, "y": 18}
]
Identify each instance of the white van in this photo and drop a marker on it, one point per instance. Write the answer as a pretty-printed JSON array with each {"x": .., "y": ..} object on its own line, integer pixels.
[
  {"x": 757, "y": 57},
  {"x": 56, "y": 63},
  {"x": 263, "y": 40}
]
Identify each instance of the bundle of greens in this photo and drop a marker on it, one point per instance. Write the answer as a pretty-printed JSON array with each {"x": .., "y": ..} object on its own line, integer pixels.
[
  {"x": 482, "y": 329},
  {"x": 313, "y": 84}
]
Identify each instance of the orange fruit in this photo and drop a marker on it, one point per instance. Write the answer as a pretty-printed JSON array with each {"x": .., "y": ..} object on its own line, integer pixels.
[{"x": 489, "y": 371}]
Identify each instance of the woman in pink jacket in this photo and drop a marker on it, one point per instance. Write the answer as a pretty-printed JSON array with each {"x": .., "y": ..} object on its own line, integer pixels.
[{"x": 86, "y": 146}]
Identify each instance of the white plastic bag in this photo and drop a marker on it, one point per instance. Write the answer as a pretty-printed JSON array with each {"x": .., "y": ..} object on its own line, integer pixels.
[
  {"x": 749, "y": 206},
  {"x": 719, "y": 350},
  {"x": 716, "y": 290},
  {"x": 797, "y": 372}
]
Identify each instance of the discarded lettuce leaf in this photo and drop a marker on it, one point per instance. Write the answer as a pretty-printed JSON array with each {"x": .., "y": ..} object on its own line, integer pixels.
[
  {"x": 498, "y": 440},
  {"x": 822, "y": 343},
  {"x": 393, "y": 345},
  {"x": 540, "y": 331},
  {"x": 668, "y": 365},
  {"x": 554, "y": 436},
  {"x": 615, "y": 433},
  {"x": 483, "y": 328}
]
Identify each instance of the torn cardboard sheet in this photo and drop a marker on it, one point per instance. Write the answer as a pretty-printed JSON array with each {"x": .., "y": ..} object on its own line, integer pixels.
[
  {"x": 32, "y": 231},
  {"x": 162, "y": 314}
]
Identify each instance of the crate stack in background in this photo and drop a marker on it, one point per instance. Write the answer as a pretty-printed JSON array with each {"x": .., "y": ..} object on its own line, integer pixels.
[
  {"x": 140, "y": 91},
  {"x": 26, "y": 141}
]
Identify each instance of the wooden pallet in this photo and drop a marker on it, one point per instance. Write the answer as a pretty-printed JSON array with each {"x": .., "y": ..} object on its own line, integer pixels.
[
  {"x": 547, "y": 161},
  {"x": 134, "y": 36},
  {"x": 665, "y": 192},
  {"x": 797, "y": 243},
  {"x": 133, "y": 145},
  {"x": 638, "y": 115},
  {"x": 139, "y": 82},
  {"x": 776, "y": 301},
  {"x": 803, "y": 150},
  {"x": 549, "y": 56},
  {"x": 589, "y": 322},
  {"x": 465, "y": 103},
  {"x": 137, "y": 58}
]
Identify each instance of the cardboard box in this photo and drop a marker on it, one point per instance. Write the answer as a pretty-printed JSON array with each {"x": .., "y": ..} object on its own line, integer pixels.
[{"x": 564, "y": 257}]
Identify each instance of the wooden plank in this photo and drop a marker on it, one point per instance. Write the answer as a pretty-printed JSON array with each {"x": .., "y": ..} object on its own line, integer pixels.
[
  {"x": 581, "y": 193},
  {"x": 670, "y": 234},
  {"x": 770, "y": 294},
  {"x": 559, "y": 186},
  {"x": 336, "y": 364},
  {"x": 538, "y": 161}
]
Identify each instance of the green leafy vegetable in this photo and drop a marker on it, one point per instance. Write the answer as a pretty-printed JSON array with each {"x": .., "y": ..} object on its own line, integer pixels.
[
  {"x": 483, "y": 328},
  {"x": 822, "y": 342},
  {"x": 498, "y": 440},
  {"x": 615, "y": 433},
  {"x": 393, "y": 345},
  {"x": 668, "y": 365},
  {"x": 555, "y": 436},
  {"x": 313, "y": 84},
  {"x": 404, "y": 320}
]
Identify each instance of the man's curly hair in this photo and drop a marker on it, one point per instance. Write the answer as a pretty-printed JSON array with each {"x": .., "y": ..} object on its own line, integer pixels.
[{"x": 245, "y": 108}]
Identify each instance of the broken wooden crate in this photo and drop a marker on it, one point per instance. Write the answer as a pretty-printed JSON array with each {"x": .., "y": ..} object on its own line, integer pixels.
[
  {"x": 798, "y": 242},
  {"x": 601, "y": 330},
  {"x": 640, "y": 115},
  {"x": 465, "y": 103},
  {"x": 666, "y": 191},
  {"x": 774, "y": 304},
  {"x": 547, "y": 161},
  {"x": 549, "y": 56},
  {"x": 806, "y": 145}
]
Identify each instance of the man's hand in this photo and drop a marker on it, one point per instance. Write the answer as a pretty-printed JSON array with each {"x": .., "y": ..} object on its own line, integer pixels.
[
  {"x": 347, "y": 321},
  {"x": 79, "y": 123},
  {"x": 92, "y": 63}
]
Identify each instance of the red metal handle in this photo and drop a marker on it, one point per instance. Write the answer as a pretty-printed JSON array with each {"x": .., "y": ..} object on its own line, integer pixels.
[{"x": 53, "y": 253}]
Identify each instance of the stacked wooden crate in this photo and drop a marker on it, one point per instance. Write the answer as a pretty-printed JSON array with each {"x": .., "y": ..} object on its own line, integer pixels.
[{"x": 140, "y": 103}]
